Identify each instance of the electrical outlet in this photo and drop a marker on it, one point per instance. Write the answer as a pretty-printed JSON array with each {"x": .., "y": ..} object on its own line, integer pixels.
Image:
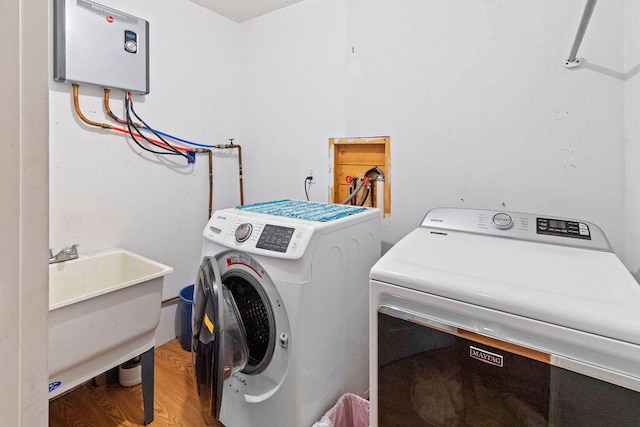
[{"x": 311, "y": 171}]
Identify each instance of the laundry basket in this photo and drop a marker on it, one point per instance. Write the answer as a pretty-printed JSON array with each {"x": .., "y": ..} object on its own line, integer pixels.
[{"x": 351, "y": 410}]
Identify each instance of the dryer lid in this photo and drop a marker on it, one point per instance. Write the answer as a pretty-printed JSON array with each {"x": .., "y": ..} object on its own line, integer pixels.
[{"x": 586, "y": 290}]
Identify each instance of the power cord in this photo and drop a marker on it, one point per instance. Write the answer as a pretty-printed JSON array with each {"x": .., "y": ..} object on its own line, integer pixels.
[
  {"x": 171, "y": 150},
  {"x": 307, "y": 182}
]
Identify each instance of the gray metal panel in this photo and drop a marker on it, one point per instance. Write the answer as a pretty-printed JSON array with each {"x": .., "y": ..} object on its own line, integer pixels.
[
  {"x": 146, "y": 38},
  {"x": 59, "y": 48},
  {"x": 522, "y": 227},
  {"x": 89, "y": 46}
]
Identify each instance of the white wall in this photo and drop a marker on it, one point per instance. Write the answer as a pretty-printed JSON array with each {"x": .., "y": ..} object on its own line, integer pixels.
[
  {"x": 632, "y": 135},
  {"x": 292, "y": 97},
  {"x": 480, "y": 110},
  {"x": 106, "y": 192},
  {"x": 23, "y": 213}
]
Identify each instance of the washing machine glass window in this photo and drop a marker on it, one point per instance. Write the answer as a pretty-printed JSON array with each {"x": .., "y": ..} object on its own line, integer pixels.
[
  {"x": 206, "y": 342},
  {"x": 257, "y": 317},
  {"x": 236, "y": 354},
  {"x": 219, "y": 337},
  {"x": 234, "y": 332}
]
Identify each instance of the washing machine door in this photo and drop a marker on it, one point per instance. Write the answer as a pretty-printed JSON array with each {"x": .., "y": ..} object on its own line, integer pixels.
[{"x": 219, "y": 343}]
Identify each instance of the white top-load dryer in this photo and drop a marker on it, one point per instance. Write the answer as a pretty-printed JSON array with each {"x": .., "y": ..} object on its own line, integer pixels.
[
  {"x": 280, "y": 316},
  {"x": 496, "y": 318}
]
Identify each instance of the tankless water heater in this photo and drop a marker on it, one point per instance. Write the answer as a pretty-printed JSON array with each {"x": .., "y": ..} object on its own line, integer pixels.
[{"x": 98, "y": 45}]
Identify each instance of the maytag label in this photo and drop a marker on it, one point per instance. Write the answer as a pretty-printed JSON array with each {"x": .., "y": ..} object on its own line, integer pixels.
[{"x": 485, "y": 356}]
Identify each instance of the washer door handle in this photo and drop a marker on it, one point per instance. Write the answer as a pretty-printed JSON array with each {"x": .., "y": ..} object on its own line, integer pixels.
[{"x": 283, "y": 340}]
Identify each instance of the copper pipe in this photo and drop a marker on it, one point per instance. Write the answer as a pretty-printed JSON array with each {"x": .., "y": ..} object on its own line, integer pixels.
[
  {"x": 108, "y": 109},
  {"x": 229, "y": 146},
  {"x": 240, "y": 172},
  {"x": 111, "y": 114},
  {"x": 210, "y": 153},
  {"x": 76, "y": 104},
  {"x": 201, "y": 150}
]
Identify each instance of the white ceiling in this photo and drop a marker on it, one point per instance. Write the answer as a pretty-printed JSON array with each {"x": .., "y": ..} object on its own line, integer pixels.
[{"x": 243, "y": 10}]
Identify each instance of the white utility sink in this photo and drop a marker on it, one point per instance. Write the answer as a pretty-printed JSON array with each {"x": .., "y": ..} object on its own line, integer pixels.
[{"x": 104, "y": 308}]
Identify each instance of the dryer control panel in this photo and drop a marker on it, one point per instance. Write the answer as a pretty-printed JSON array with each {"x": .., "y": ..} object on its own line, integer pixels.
[
  {"x": 564, "y": 228},
  {"x": 253, "y": 233},
  {"x": 516, "y": 225}
]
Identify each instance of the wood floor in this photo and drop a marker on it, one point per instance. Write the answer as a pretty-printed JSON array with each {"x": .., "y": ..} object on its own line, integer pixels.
[{"x": 175, "y": 402}]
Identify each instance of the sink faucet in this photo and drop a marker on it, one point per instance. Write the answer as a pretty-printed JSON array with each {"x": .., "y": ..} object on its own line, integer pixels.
[{"x": 64, "y": 255}]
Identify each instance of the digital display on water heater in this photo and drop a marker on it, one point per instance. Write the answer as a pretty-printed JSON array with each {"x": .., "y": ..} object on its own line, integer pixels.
[{"x": 130, "y": 41}]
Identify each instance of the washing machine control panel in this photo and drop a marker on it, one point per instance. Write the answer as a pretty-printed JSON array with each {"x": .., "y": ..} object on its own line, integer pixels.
[
  {"x": 243, "y": 232},
  {"x": 257, "y": 235},
  {"x": 275, "y": 238},
  {"x": 502, "y": 221}
]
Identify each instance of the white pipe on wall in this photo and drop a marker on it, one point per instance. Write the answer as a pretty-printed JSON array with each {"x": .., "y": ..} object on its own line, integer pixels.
[
  {"x": 380, "y": 194},
  {"x": 584, "y": 22}
]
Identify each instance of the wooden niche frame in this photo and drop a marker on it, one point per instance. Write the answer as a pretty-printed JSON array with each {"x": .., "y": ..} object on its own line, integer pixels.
[{"x": 353, "y": 157}]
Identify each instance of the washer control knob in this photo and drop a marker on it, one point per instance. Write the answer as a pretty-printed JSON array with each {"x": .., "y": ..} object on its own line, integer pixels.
[
  {"x": 502, "y": 221},
  {"x": 243, "y": 232}
]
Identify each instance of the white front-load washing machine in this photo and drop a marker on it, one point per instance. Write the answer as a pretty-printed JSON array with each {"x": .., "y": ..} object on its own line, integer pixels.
[
  {"x": 485, "y": 318},
  {"x": 280, "y": 314}
]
